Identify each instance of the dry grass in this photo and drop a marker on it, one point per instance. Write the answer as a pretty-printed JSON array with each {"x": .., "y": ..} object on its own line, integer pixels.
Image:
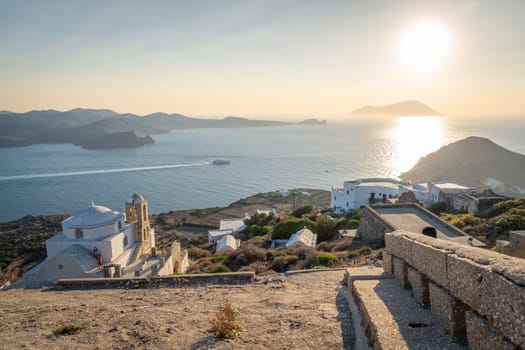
[
  {"x": 68, "y": 329},
  {"x": 224, "y": 324}
]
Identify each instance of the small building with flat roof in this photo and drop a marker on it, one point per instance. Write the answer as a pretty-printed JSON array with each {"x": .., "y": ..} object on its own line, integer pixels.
[{"x": 378, "y": 220}]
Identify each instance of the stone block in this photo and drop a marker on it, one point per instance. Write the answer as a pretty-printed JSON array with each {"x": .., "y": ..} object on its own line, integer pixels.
[
  {"x": 387, "y": 262},
  {"x": 400, "y": 272},
  {"x": 430, "y": 261},
  {"x": 419, "y": 283},
  {"x": 491, "y": 295},
  {"x": 448, "y": 312},
  {"x": 399, "y": 246},
  {"x": 482, "y": 336}
]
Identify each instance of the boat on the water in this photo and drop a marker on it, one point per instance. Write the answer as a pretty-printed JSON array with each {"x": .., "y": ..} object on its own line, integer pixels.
[{"x": 221, "y": 161}]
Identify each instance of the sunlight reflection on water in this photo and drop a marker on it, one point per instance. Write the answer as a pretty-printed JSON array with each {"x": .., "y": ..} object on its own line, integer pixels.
[{"x": 413, "y": 137}]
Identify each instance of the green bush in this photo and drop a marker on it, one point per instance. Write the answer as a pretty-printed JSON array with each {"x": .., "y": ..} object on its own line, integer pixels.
[
  {"x": 461, "y": 220},
  {"x": 257, "y": 230},
  {"x": 359, "y": 252},
  {"x": 218, "y": 258},
  {"x": 305, "y": 209},
  {"x": 288, "y": 227},
  {"x": 325, "y": 229},
  {"x": 502, "y": 207},
  {"x": 347, "y": 224},
  {"x": 326, "y": 259},
  {"x": 438, "y": 208},
  {"x": 219, "y": 268},
  {"x": 510, "y": 223},
  {"x": 260, "y": 220}
]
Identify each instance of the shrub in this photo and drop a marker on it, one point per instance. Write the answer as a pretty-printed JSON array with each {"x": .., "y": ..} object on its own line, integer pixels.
[
  {"x": 257, "y": 267},
  {"x": 354, "y": 214},
  {"x": 461, "y": 220},
  {"x": 219, "y": 268},
  {"x": 224, "y": 324},
  {"x": 342, "y": 244},
  {"x": 347, "y": 223},
  {"x": 256, "y": 230},
  {"x": 359, "y": 252},
  {"x": 260, "y": 220},
  {"x": 325, "y": 229},
  {"x": 509, "y": 223},
  {"x": 286, "y": 228},
  {"x": 246, "y": 255},
  {"x": 68, "y": 329},
  {"x": 305, "y": 209},
  {"x": 196, "y": 252},
  {"x": 502, "y": 207},
  {"x": 326, "y": 259},
  {"x": 438, "y": 208},
  {"x": 218, "y": 258},
  {"x": 283, "y": 262},
  {"x": 307, "y": 257}
]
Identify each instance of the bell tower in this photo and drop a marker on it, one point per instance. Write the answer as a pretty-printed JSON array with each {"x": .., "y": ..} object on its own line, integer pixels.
[{"x": 137, "y": 215}]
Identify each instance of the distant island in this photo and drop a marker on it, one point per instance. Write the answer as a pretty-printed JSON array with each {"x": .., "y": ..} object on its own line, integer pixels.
[
  {"x": 474, "y": 161},
  {"x": 405, "y": 108},
  {"x": 103, "y": 128}
]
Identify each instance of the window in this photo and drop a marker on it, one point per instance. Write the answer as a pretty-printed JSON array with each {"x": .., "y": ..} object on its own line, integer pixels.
[
  {"x": 60, "y": 266},
  {"x": 119, "y": 224},
  {"x": 335, "y": 198},
  {"x": 125, "y": 241},
  {"x": 347, "y": 192},
  {"x": 144, "y": 213},
  {"x": 347, "y": 204},
  {"x": 79, "y": 233}
]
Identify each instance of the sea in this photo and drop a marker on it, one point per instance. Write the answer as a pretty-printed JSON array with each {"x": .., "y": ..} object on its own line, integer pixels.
[{"x": 177, "y": 172}]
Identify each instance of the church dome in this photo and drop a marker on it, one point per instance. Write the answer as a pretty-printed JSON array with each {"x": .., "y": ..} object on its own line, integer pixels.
[
  {"x": 92, "y": 216},
  {"x": 136, "y": 198}
]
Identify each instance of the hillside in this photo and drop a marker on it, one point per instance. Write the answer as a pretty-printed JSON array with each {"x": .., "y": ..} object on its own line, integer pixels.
[
  {"x": 22, "y": 242},
  {"x": 79, "y": 126},
  {"x": 405, "y": 108},
  {"x": 475, "y": 161}
]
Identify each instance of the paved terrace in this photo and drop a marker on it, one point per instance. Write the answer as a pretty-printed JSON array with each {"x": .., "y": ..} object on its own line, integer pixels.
[{"x": 415, "y": 219}]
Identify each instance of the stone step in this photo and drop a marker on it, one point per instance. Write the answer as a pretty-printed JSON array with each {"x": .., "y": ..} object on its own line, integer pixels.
[{"x": 390, "y": 316}]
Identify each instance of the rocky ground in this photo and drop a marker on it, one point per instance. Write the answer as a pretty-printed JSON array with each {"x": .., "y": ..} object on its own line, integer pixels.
[{"x": 302, "y": 311}]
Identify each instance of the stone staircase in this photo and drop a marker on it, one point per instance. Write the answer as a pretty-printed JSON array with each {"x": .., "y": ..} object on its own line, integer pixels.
[
  {"x": 136, "y": 252},
  {"x": 389, "y": 316}
]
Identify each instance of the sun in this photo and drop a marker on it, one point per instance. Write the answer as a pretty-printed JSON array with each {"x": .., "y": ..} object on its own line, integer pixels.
[{"x": 425, "y": 45}]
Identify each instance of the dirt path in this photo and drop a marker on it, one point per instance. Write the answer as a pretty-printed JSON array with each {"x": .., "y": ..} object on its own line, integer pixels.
[{"x": 303, "y": 311}]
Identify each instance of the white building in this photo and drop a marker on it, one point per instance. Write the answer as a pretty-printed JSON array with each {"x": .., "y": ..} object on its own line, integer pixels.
[
  {"x": 433, "y": 192},
  {"x": 357, "y": 193},
  {"x": 227, "y": 227},
  {"x": 120, "y": 239},
  {"x": 354, "y": 194},
  {"x": 267, "y": 211},
  {"x": 302, "y": 238},
  {"x": 227, "y": 243}
]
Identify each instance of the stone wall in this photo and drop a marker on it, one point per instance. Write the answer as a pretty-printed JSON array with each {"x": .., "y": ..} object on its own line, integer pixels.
[
  {"x": 157, "y": 282},
  {"x": 371, "y": 226},
  {"x": 179, "y": 258},
  {"x": 515, "y": 246},
  {"x": 476, "y": 295}
]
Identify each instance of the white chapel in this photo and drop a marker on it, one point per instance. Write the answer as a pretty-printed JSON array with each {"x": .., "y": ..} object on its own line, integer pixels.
[{"x": 94, "y": 233}]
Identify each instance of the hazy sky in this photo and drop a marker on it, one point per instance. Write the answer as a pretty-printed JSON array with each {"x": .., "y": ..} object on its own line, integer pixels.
[{"x": 289, "y": 59}]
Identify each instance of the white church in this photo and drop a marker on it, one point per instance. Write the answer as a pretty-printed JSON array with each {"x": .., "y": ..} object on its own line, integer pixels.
[{"x": 125, "y": 242}]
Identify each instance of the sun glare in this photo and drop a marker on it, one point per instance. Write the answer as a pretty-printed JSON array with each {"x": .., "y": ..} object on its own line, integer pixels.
[
  {"x": 413, "y": 138},
  {"x": 425, "y": 45}
]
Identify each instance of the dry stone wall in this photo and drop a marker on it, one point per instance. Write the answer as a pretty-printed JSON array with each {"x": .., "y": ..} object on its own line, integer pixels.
[{"x": 477, "y": 295}]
